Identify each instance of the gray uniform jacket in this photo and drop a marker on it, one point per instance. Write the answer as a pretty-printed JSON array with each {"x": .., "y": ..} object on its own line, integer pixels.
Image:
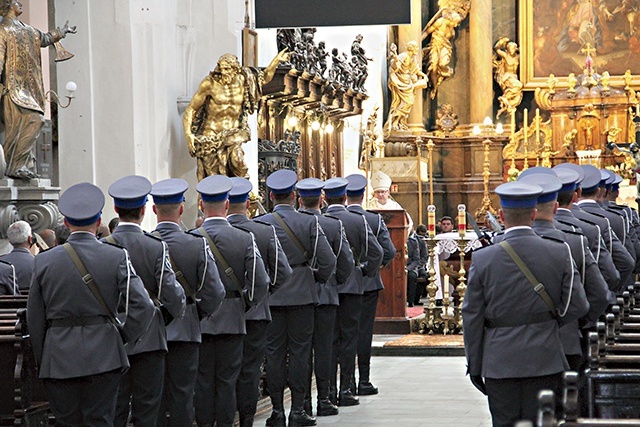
[
  {"x": 194, "y": 260},
  {"x": 616, "y": 222},
  {"x": 629, "y": 229},
  {"x": 300, "y": 289},
  {"x": 239, "y": 250},
  {"x": 379, "y": 229},
  {"x": 150, "y": 257},
  {"x": 567, "y": 222},
  {"x": 23, "y": 263},
  {"x": 273, "y": 257},
  {"x": 367, "y": 252},
  {"x": 497, "y": 288},
  {"x": 8, "y": 284},
  {"x": 416, "y": 248},
  {"x": 58, "y": 292},
  {"x": 595, "y": 287},
  {"x": 622, "y": 259},
  {"x": 334, "y": 231}
]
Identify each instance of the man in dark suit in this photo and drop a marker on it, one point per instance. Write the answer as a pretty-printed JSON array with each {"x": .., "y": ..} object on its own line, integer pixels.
[
  {"x": 277, "y": 266},
  {"x": 367, "y": 254},
  {"x": 310, "y": 198},
  {"x": 417, "y": 256},
  {"x": 77, "y": 338},
  {"x": 20, "y": 236},
  {"x": 197, "y": 273},
  {"x": 246, "y": 283},
  {"x": 142, "y": 385},
  {"x": 292, "y": 307},
  {"x": 511, "y": 331},
  {"x": 8, "y": 283},
  {"x": 372, "y": 285}
]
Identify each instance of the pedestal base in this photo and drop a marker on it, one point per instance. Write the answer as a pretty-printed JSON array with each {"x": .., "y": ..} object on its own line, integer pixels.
[{"x": 392, "y": 325}]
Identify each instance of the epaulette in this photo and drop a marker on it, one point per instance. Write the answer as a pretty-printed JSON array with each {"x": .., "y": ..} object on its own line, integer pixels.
[
  {"x": 555, "y": 239},
  {"x": 239, "y": 227},
  {"x": 44, "y": 250},
  {"x": 574, "y": 232},
  {"x": 153, "y": 237},
  {"x": 115, "y": 245},
  {"x": 8, "y": 263},
  {"x": 256, "y": 217},
  {"x": 263, "y": 223},
  {"x": 306, "y": 213},
  {"x": 332, "y": 217},
  {"x": 373, "y": 212},
  {"x": 194, "y": 232}
]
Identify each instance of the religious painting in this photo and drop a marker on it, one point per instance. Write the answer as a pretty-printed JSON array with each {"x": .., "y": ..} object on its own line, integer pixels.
[{"x": 556, "y": 35}]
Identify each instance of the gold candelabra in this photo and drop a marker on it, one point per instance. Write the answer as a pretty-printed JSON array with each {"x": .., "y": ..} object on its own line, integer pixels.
[{"x": 488, "y": 129}]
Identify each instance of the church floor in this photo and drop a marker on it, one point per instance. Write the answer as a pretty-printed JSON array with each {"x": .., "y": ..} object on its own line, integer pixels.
[{"x": 414, "y": 391}]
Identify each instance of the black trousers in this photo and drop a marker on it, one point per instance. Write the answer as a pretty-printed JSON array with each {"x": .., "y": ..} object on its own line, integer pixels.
[
  {"x": 181, "y": 368},
  {"x": 365, "y": 334},
  {"x": 320, "y": 361},
  {"x": 291, "y": 329},
  {"x": 141, "y": 387},
  {"x": 218, "y": 370},
  {"x": 414, "y": 292},
  {"x": 345, "y": 339},
  {"x": 84, "y": 401},
  {"x": 514, "y": 399},
  {"x": 253, "y": 348}
]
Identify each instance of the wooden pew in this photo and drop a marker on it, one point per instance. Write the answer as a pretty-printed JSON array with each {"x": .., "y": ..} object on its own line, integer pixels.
[{"x": 22, "y": 398}]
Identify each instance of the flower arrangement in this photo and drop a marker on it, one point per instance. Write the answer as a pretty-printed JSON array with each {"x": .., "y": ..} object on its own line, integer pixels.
[{"x": 624, "y": 170}]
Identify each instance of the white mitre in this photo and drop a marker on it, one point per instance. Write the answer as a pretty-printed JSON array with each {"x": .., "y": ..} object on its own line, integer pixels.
[{"x": 380, "y": 181}]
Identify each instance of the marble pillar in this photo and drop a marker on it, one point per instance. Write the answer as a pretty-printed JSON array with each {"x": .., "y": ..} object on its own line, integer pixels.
[
  {"x": 407, "y": 33},
  {"x": 480, "y": 60}
]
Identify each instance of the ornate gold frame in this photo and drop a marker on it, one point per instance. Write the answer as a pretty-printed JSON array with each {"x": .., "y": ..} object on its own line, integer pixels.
[{"x": 526, "y": 39}]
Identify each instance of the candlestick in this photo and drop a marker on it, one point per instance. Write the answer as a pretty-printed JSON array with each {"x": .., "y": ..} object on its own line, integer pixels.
[
  {"x": 431, "y": 221},
  {"x": 537, "y": 126},
  {"x": 445, "y": 290},
  {"x": 462, "y": 220},
  {"x": 525, "y": 140}
]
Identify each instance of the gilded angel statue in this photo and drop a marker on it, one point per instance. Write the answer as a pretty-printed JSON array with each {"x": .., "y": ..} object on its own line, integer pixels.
[{"x": 506, "y": 60}]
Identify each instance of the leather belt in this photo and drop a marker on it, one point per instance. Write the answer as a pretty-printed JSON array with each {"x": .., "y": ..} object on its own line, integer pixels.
[
  {"x": 519, "y": 320},
  {"x": 70, "y": 322}
]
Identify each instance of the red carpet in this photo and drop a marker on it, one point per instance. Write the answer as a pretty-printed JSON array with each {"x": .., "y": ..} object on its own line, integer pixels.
[{"x": 415, "y": 311}]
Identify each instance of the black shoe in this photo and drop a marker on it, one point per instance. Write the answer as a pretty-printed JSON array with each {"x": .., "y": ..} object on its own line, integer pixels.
[
  {"x": 418, "y": 303},
  {"x": 326, "y": 408},
  {"x": 307, "y": 406},
  {"x": 347, "y": 398},
  {"x": 367, "y": 389},
  {"x": 409, "y": 304},
  {"x": 300, "y": 418},
  {"x": 276, "y": 419}
]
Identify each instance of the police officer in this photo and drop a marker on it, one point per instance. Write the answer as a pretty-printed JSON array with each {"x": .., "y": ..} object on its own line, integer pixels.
[
  {"x": 571, "y": 178},
  {"x": 246, "y": 283},
  {"x": 511, "y": 332},
  {"x": 73, "y": 324},
  {"x": 276, "y": 263},
  {"x": 310, "y": 198},
  {"x": 142, "y": 384},
  {"x": 197, "y": 273},
  {"x": 587, "y": 208},
  {"x": 367, "y": 254},
  {"x": 372, "y": 285},
  {"x": 595, "y": 287},
  {"x": 292, "y": 307}
]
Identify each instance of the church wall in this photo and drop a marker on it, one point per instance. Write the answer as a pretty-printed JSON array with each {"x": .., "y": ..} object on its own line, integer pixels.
[{"x": 137, "y": 64}]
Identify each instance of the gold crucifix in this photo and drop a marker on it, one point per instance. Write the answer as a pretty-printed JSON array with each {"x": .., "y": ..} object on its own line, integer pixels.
[{"x": 588, "y": 50}]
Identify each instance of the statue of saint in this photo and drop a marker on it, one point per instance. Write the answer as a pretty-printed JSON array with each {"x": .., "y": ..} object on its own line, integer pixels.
[
  {"x": 405, "y": 76},
  {"x": 22, "y": 88},
  {"x": 215, "y": 122},
  {"x": 442, "y": 29},
  {"x": 505, "y": 65}
]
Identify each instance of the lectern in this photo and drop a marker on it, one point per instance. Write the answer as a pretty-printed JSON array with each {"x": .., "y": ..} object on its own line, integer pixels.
[{"x": 391, "y": 314}]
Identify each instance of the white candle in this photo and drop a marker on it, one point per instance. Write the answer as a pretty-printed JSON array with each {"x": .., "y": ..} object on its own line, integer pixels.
[{"x": 446, "y": 287}]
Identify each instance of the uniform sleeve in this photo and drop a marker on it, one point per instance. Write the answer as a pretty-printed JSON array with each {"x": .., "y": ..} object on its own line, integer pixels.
[
  {"x": 373, "y": 252},
  {"x": 256, "y": 280},
  {"x": 141, "y": 310},
  {"x": 345, "y": 263},
  {"x": 624, "y": 263},
  {"x": 36, "y": 316},
  {"x": 212, "y": 292},
  {"x": 389, "y": 251},
  {"x": 170, "y": 291},
  {"x": 278, "y": 263},
  {"x": 325, "y": 259},
  {"x": 473, "y": 315},
  {"x": 607, "y": 268},
  {"x": 595, "y": 287},
  {"x": 574, "y": 302}
]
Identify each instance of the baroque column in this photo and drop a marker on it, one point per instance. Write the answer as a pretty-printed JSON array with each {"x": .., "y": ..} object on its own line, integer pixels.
[
  {"x": 480, "y": 60},
  {"x": 407, "y": 33}
]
